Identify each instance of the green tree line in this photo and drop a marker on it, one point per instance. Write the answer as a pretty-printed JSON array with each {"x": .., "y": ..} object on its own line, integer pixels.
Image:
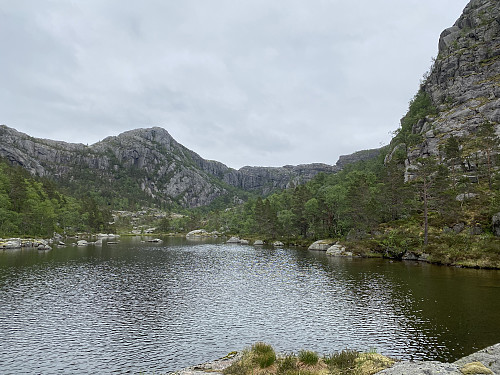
[
  {"x": 373, "y": 196},
  {"x": 34, "y": 206}
]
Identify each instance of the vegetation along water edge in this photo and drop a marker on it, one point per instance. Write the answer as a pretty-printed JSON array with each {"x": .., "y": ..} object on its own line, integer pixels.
[{"x": 262, "y": 359}]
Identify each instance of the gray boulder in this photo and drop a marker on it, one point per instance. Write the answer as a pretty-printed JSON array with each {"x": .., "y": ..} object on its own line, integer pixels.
[
  {"x": 211, "y": 368},
  {"x": 233, "y": 240},
  {"x": 321, "y": 245},
  {"x": 197, "y": 233},
  {"x": 459, "y": 227},
  {"x": 495, "y": 224},
  {"x": 258, "y": 243},
  {"x": 489, "y": 357},
  {"x": 278, "y": 244},
  {"x": 338, "y": 251},
  {"x": 465, "y": 196},
  {"x": 476, "y": 230},
  {"x": 422, "y": 368},
  {"x": 13, "y": 243}
]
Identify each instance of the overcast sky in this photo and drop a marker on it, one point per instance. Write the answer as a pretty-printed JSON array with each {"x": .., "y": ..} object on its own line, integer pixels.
[{"x": 244, "y": 82}]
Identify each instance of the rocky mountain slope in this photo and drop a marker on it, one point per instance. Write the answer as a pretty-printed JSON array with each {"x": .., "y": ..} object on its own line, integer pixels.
[
  {"x": 463, "y": 87},
  {"x": 150, "y": 163}
]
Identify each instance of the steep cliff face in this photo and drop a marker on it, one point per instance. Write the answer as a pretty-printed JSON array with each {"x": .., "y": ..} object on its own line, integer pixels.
[
  {"x": 150, "y": 163},
  {"x": 463, "y": 85}
]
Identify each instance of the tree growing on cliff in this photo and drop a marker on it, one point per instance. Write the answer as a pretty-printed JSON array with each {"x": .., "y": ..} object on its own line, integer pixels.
[{"x": 430, "y": 179}]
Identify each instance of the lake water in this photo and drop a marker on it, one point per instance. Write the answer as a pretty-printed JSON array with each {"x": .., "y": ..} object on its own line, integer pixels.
[{"x": 153, "y": 308}]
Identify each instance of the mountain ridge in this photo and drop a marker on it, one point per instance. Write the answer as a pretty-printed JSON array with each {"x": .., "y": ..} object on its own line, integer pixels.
[{"x": 163, "y": 169}]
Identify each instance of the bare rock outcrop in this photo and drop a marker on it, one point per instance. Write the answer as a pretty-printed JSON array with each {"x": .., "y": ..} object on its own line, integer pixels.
[{"x": 463, "y": 83}]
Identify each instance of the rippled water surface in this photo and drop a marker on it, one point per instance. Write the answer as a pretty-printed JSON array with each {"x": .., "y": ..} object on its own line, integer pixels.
[{"x": 153, "y": 308}]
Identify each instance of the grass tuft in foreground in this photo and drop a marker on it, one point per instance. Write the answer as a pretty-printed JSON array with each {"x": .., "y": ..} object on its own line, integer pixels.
[{"x": 261, "y": 359}]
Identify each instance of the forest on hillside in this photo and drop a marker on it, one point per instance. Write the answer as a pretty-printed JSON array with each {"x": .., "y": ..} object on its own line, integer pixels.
[
  {"x": 445, "y": 207},
  {"x": 36, "y": 207}
]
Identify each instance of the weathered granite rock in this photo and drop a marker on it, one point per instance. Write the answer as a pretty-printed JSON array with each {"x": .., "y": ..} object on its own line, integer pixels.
[
  {"x": 459, "y": 227},
  {"x": 211, "y": 368},
  {"x": 278, "y": 244},
  {"x": 338, "y": 251},
  {"x": 197, "y": 233},
  {"x": 422, "y": 368},
  {"x": 258, "y": 243},
  {"x": 321, "y": 245},
  {"x": 244, "y": 242},
  {"x": 82, "y": 243},
  {"x": 363, "y": 155},
  {"x": 265, "y": 180},
  {"x": 463, "y": 83},
  {"x": 411, "y": 256},
  {"x": 233, "y": 240},
  {"x": 486, "y": 361},
  {"x": 13, "y": 243},
  {"x": 465, "y": 197},
  {"x": 490, "y": 357}
]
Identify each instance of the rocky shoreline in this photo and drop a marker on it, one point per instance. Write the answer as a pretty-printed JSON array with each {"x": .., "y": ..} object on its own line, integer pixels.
[
  {"x": 486, "y": 361},
  {"x": 57, "y": 240}
]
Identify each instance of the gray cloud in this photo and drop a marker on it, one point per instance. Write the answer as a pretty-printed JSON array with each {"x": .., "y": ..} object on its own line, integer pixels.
[{"x": 243, "y": 82}]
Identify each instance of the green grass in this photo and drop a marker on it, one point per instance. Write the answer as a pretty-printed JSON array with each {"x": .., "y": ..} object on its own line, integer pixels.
[
  {"x": 343, "y": 362},
  {"x": 263, "y": 354},
  {"x": 308, "y": 357}
]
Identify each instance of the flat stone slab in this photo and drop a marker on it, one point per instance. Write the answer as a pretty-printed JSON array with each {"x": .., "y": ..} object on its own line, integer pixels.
[
  {"x": 422, "y": 368},
  {"x": 489, "y": 357},
  {"x": 210, "y": 368}
]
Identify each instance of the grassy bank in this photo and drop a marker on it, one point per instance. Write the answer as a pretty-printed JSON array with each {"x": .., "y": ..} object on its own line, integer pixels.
[
  {"x": 261, "y": 359},
  {"x": 444, "y": 248}
]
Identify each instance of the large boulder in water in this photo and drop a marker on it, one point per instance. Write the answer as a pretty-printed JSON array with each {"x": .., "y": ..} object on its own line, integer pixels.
[
  {"x": 321, "y": 245},
  {"x": 233, "y": 240}
]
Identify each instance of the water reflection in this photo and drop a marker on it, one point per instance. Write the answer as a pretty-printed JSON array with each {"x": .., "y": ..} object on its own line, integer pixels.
[{"x": 147, "y": 307}]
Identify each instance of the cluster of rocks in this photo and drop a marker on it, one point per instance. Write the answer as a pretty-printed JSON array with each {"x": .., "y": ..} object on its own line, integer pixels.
[
  {"x": 87, "y": 243},
  {"x": 255, "y": 243},
  {"x": 18, "y": 243},
  {"x": 202, "y": 233},
  {"x": 98, "y": 242},
  {"x": 486, "y": 361},
  {"x": 332, "y": 248},
  {"x": 475, "y": 229},
  {"x": 46, "y": 244}
]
